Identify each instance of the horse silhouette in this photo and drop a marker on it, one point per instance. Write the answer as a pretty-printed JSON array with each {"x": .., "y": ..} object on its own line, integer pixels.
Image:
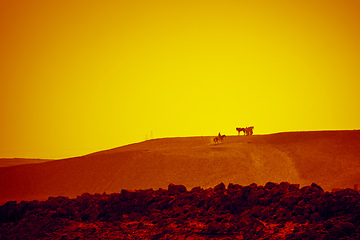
[
  {"x": 219, "y": 138},
  {"x": 247, "y": 131}
]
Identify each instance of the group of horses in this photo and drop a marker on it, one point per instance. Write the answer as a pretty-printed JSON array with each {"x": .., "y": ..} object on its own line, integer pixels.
[{"x": 247, "y": 131}]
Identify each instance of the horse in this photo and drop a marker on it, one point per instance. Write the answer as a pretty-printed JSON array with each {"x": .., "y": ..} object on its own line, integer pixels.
[
  {"x": 219, "y": 138},
  {"x": 247, "y": 131},
  {"x": 240, "y": 130}
]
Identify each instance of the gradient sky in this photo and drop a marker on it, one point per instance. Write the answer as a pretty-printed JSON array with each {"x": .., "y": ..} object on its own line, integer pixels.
[{"x": 83, "y": 76}]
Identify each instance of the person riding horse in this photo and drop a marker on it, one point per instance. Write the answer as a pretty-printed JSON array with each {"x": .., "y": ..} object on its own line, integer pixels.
[{"x": 219, "y": 138}]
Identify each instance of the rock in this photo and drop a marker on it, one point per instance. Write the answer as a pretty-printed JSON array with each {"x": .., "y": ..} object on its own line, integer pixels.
[
  {"x": 234, "y": 187},
  {"x": 253, "y": 185},
  {"x": 61, "y": 212},
  {"x": 126, "y": 194},
  {"x": 256, "y": 210},
  {"x": 315, "y": 217},
  {"x": 294, "y": 187},
  {"x": 196, "y": 190},
  {"x": 317, "y": 187},
  {"x": 270, "y": 185},
  {"x": 284, "y": 185},
  {"x": 242, "y": 223},
  {"x": 342, "y": 228},
  {"x": 9, "y": 212},
  {"x": 298, "y": 219},
  {"x": 219, "y": 187},
  {"x": 214, "y": 227},
  {"x": 176, "y": 189},
  {"x": 290, "y": 199},
  {"x": 328, "y": 224},
  {"x": 281, "y": 212}
]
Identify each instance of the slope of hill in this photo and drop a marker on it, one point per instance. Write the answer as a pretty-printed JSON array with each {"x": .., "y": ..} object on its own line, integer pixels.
[
  {"x": 328, "y": 158},
  {"x": 7, "y": 162}
]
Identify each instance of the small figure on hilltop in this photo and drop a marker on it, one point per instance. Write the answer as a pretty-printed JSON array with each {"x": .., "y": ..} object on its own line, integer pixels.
[
  {"x": 247, "y": 131},
  {"x": 219, "y": 138},
  {"x": 240, "y": 130}
]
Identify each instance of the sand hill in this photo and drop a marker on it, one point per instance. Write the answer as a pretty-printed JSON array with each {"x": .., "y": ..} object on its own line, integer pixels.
[{"x": 328, "y": 158}]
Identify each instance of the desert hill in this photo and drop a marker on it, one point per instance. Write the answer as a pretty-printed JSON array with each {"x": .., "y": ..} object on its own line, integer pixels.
[
  {"x": 7, "y": 162},
  {"x": 328, "y": 158}
]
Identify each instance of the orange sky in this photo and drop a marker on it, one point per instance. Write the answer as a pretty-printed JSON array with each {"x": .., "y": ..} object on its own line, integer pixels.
[{"x": 83, "y": 76}]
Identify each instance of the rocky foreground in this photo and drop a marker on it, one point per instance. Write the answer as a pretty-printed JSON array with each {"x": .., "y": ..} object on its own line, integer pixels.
[{"x": 273, "y": 211}]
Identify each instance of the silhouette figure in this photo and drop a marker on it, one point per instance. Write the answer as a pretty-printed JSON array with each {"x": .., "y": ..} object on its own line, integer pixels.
[
  {"x": 240, "y": 130},
  {"x": 247, "y": 131},
  {"x": 219, "y": 138}
]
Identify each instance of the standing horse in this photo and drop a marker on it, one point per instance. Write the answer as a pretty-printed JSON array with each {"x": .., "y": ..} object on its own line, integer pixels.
[
  {"x": 240, "y": 130},
  {"x": 247, "y": 131}
]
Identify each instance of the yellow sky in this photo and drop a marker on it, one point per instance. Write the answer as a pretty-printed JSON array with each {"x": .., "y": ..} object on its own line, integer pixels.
[{"x": 82, "y": 76}]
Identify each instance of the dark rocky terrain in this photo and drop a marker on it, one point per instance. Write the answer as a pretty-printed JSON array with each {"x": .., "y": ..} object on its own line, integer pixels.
[{"x": 272, "y": 211}]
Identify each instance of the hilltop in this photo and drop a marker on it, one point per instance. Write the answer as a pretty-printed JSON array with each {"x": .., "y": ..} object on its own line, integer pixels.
[{"x": 330, "y": 159}]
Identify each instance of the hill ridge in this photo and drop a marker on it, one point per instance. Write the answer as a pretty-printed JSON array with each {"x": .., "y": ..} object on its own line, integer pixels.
[{"x": 295, "y": 157}]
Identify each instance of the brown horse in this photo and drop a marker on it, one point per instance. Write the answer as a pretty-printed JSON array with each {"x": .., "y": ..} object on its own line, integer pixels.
[
  {"x": 247, "y": 131},
  {"x": 240, "y": 130},
  {"x": 219, "y": 138}
]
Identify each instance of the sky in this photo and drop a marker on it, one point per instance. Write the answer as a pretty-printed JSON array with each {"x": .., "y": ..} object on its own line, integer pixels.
[{"x": 78, "y": 77}]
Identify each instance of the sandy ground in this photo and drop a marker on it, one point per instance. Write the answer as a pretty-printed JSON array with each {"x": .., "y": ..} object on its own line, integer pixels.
[
  {"x": 7, "y": 162},
  {"x": 328, "y": 158}
]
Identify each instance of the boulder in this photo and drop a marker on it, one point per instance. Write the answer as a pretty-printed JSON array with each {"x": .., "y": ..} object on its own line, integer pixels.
[
  {"x": 270, "y": 185},
  {"x": 219, "y": 187},
  {"x": 176, "y": 189},
  {"x": 342, "y": 228}
]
